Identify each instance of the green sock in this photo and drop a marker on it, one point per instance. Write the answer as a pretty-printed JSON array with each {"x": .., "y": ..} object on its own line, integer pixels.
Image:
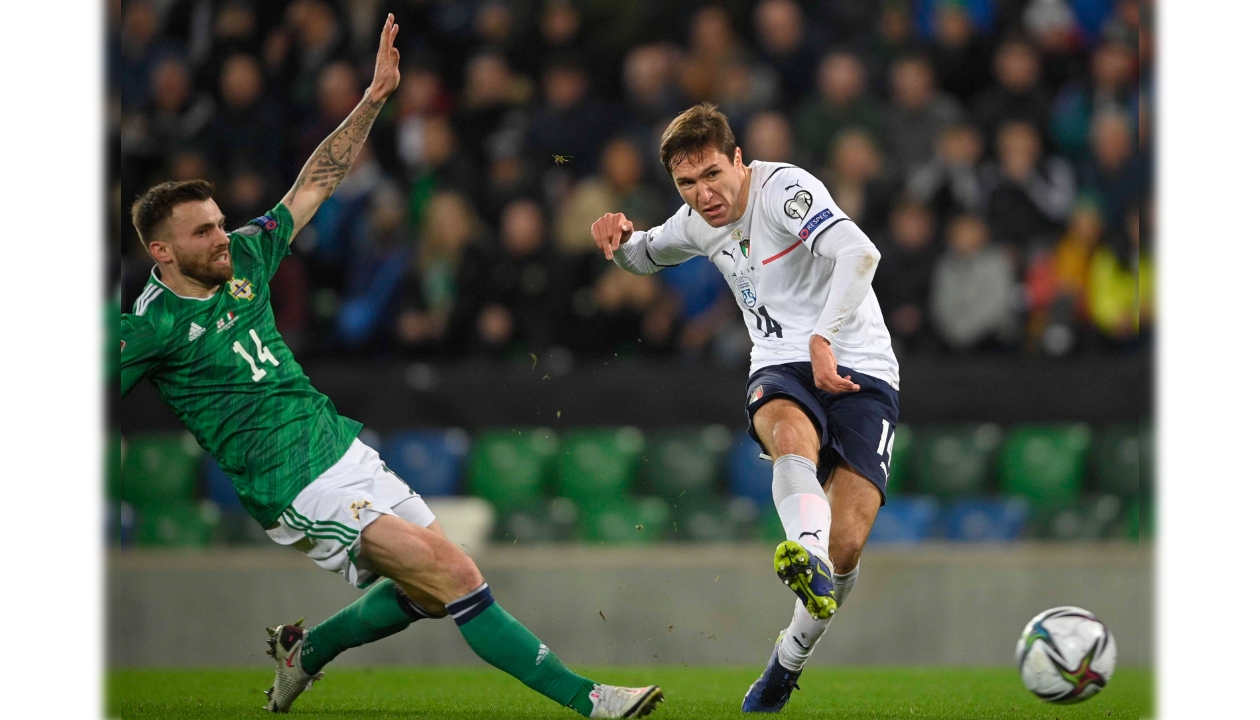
[
  {"x": 501, "y": 640},
  {"x": 380, "y": 612}
]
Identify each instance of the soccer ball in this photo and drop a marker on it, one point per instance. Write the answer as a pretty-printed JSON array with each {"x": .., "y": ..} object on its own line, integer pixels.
[{"x": 1066, "y": 655}]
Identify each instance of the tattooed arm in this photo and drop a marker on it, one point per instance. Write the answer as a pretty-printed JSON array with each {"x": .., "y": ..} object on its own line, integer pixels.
[{"x": 331, "y": 161}]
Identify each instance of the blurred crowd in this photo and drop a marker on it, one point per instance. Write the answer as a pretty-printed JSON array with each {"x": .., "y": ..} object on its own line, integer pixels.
[{"x": 999, "y": 153}]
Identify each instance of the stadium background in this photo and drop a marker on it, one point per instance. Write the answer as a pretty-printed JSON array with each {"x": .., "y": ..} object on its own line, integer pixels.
[{"x": 583, "y": 427}]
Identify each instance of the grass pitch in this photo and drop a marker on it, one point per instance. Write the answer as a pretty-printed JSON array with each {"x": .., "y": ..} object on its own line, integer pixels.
[{"x": 699, "y": 693}]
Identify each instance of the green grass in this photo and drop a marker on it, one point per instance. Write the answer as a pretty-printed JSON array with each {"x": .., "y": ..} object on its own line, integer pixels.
[{"x": 700, "y": 693}]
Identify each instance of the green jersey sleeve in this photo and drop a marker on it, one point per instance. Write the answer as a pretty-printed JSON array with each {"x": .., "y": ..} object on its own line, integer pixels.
[
  {"x": 267, "y": 238},
  {"x": 142, "y": 350}
]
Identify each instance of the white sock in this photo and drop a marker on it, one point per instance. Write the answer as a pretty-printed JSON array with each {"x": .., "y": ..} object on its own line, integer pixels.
[
  {"x": 804, "y": 632},
  {"x": 802, "y": 505}
]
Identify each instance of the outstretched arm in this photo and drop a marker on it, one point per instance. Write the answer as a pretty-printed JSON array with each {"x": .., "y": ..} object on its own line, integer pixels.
[{"x": 331, "y": 161}]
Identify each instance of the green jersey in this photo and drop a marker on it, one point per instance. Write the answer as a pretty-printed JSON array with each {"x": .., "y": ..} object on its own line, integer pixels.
[{"x": 220, "y": 363}]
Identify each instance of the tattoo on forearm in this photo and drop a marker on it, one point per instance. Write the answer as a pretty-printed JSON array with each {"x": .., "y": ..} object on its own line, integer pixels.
[{"x": 331, "y": 161}]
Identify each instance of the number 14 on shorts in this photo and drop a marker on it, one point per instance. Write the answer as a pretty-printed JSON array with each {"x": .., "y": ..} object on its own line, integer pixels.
[
  {"x": 264, "y": 355},
  {"x": 886, "y": 440}
]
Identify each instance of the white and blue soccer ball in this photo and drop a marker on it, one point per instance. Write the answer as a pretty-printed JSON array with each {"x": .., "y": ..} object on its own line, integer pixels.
[{"x": 1066, "y": 655}]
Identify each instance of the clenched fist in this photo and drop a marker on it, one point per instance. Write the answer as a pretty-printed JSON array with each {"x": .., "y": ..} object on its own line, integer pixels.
[{"x": 610, "y": 232}]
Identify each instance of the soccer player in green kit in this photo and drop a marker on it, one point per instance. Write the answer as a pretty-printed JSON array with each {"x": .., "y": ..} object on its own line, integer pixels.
[{"x": 203, "y": 333}]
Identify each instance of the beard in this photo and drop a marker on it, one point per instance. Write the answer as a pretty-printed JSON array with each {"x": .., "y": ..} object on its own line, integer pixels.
[{"x": 202, "y": 268}]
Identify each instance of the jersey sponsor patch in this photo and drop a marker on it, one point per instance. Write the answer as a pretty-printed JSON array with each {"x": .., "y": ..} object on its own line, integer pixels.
[
  {"x": 266, "y": 222},
  {"x": 241, "y": 289},
  {"x": 798, "y": 205},
  {"x": 813, "y": 223},
  {"x": 747, "y": 292}
]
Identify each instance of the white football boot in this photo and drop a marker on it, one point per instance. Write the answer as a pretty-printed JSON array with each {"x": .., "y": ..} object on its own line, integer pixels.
[
  {"x": 284, "y": 643},
  {"x": 612, "y": 701}
]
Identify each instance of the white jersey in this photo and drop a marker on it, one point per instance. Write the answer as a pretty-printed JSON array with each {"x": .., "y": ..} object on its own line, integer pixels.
[{"x": 780, "y": 283}]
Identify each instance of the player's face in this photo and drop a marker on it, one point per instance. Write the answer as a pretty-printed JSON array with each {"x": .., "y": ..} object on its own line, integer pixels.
[
  {"x": 199, "y": 244},
  {"x": 714, "y": 186}
]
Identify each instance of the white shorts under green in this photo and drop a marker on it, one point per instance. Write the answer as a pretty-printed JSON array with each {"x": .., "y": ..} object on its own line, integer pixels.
[{"x": 327, "y": 517}]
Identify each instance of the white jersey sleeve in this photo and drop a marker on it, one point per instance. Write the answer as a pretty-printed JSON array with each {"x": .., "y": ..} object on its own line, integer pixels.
[
  {"x": 663, "y": 246},
  {"x": 805, "y": 207}
]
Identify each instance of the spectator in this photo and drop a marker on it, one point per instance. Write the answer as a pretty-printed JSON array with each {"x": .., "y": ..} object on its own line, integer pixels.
[
  {"x": 768, "y": 137},
  {"x": 951, "y": 181},
  {"x": 858, "y": 182},
  {"x": 443, "y": 165},
  {"x": 296, "y": 53},
  {"x": 141, "y": 48},
  {"x": 247, "y": 128},
  {"x": 570, "y": 123},
  {"x": 919, "y": 112},
  {"x": 1018, "y": 95},
  {"x": 1053, "y": 28},
  {"x": 173, "y": 119},
  {"x": 972, "y": 287},
  {"x": 1029, "y": 197},
  {"x": 743, "y": 90},
  {"x": 420, "y": 95},
  {"x": 247, "y": 196},
  {"x": 510, "y": 293},
  {"x": 1122, "y": 287},
  {"x": 487, "y": 116},
  {"x": 1112, "y": 173},
  {"x": 650, "y": 78},
  {"x": 714, "y": 46},
  {"x": 431, "y": 285},
  {"x": 904, "y": 278},
  {"x": 376, "y": 269},
  {"x": 893, "y": 39},
  {"x": 780, "y": 34},
  {"x": 235, "y": 32},
  {"x": 1058, "y": 283},
  {"x": 840, "y": 103},
  {"x": 960, "y": 55},
  {"x": 1111, "y": 87},
  {"x": 618, "y": 188}
]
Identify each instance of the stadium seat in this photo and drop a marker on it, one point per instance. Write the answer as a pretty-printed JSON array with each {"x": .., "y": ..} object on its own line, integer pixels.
[
  {"x": 511, "y": 467},
  {"x": 177, "y": 523},
  {"x": 899, "y": 476},
  {"x": 952, "y": 461},
  {"x": 684, "y": 465},
  {"x": 634, "y": 522},
  {"x": 430, "y": 461},
  {"x": 748, "y": 473},
  {"x": 160, "y": 468},
  {"x": 1091, "y": 518},
  {"x": 599, "y": 466},
  {"x": 1117, "y": 460},
  {"x": 905, "y": 519},
  {"x": 1045, "y": 464},
  {"x": 986, "y": 520},
  {"x": 218, "y": 485}
]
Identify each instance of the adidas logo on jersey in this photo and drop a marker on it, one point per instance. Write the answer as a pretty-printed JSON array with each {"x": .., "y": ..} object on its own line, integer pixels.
[{"x": 195, "y": 331}]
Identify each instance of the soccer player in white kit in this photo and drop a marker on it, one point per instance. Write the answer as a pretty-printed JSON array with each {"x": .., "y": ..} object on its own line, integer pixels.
[{"x": 822, "y": 391}]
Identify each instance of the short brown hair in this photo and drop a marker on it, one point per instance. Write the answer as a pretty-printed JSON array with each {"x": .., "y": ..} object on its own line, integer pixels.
[
  {"x": 695, "y": 130},
  {"x": 154, "y": 207}
]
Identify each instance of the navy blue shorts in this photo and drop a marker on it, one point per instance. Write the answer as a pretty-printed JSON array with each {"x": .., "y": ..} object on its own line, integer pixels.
[{"x": 855, "y": 427}]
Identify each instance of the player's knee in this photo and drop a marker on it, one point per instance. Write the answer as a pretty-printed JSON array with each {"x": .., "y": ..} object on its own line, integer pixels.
[
  {"x": 461, "y": 570},
  {"x": 790, "y": 438},
  {"x": 845, "y": 553}
]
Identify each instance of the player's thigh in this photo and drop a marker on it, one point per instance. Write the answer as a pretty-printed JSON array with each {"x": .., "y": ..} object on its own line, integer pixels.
[
  {"x": 783, "y": 428},
  {"x": 855, "y": 502},
  {"x": 419, "y": 559}
]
